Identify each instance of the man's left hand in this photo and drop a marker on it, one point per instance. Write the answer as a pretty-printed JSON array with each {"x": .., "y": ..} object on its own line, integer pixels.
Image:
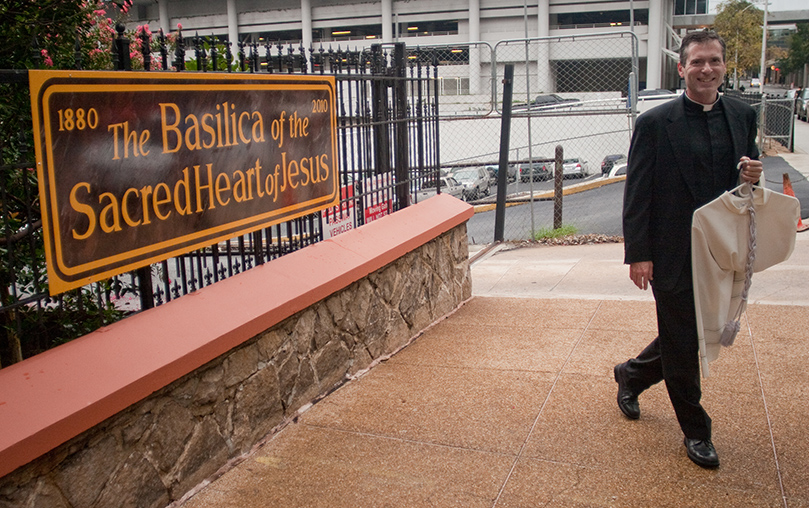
[{"x": 751, "y": 169}]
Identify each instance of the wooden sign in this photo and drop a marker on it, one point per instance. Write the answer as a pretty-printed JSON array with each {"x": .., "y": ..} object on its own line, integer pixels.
[{"x": 137, "y": 167}]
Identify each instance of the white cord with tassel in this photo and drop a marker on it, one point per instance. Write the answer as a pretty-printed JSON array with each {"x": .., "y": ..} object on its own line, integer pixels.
[{"x": 732, "y": 327}]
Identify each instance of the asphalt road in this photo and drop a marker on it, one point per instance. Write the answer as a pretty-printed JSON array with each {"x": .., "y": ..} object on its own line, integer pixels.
[
  {"x": 598, "y": 210},
  {"x": 594, "y": 211}
]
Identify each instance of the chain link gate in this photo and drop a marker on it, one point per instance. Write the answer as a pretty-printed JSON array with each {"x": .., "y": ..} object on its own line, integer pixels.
[
  {"x": 777, "y": 122},
  {"x": 776, "y": 117},
  {"x": 571, "y": 92}
]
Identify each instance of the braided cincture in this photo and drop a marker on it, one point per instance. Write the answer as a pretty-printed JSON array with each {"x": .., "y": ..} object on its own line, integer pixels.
[{"x": 732, "y": 327}]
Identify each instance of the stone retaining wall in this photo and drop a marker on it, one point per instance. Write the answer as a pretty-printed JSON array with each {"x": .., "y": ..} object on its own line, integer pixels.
[{"x": 157, "y": 450}]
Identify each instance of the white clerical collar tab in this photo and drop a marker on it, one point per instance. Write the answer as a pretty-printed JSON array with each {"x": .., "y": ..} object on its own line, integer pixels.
[{"x": 705, "y": 107}]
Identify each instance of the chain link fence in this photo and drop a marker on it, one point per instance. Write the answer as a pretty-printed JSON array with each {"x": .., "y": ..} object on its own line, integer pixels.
[
  {"x": 571, "y": 92},
  {"x": 778, "y": 121},
  {"x": 776, "y": 117}
]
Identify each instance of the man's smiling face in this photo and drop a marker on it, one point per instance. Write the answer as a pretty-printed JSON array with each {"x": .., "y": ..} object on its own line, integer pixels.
[{"x": 704, "y": 71}]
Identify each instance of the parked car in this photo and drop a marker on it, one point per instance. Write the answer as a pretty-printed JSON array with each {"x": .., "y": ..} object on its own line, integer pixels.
[
  {"x": 653, "y": 94},
  {"x": 475, "y": 182},
  {"x": 538, "y": 172},
  {"x": 552, "y": 99},
  {"x": 492, "y": 170},
  {"x": 547, "y": 101},
  {"x": 609, "y": 161},
  {"x": 652, "y": 91},
  {"x": 574, "y": 168},
  {"x": 619, "y": 169},
  {"x": 511, "y": 172},
  {"x": 802, "y": 105},
  {"x": 448, "y": 185}
]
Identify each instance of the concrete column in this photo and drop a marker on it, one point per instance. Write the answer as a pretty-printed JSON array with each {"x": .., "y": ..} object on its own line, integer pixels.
[
  {"x": 545, "y": 82},
  {"x": 306, "y": 21},
  {"x": 387, "y": 21},
  {"x": 165, "y": 21},
  {"x": 474, "y": 20},
  {"x": 654, "y": 56},
  {"x": 474, "y": 51},
  {"x": 233, "y": 27}
]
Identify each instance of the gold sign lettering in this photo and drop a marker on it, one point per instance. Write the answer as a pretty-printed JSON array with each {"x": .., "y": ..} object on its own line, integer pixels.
[{"x": 139, "y": 167}]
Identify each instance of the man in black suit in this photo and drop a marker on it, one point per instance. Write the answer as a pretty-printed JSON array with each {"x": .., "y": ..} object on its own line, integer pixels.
[{"x": 683, "y": 154}]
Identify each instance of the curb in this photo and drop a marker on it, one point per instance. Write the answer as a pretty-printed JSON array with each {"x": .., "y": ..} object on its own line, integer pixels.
[{"x": 521, "y": 199}]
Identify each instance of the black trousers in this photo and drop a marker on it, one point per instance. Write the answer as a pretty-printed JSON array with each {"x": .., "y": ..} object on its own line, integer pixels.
[{"x": 673, "y": 357}]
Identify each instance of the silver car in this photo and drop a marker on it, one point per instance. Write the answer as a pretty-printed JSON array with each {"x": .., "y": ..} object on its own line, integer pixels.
[
  {"x": 475, "y": 182},
  {"x": 447, "y": 184},
  {"x": 575, "y": 168},
  {"x": 802, "y": 105}
]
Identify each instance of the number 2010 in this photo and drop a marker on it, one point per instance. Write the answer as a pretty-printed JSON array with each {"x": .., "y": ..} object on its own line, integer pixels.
[
  {"x": 78, "y": 119},
  {"x": 320, "y": 106}
]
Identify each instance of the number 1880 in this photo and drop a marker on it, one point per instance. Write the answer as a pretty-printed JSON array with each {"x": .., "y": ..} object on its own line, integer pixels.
[{"x": 77, "y": 119}]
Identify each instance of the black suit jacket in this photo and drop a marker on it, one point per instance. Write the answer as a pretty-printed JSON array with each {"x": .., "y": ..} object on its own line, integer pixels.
[{"x": 660, "y": 194}]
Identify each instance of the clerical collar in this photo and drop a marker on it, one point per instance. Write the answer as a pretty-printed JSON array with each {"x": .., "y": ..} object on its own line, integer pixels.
[{"x": 705, "y": 107}]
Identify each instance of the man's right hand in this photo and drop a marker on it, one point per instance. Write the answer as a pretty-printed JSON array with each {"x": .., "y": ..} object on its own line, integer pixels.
[{"x": 641, "y": 274}]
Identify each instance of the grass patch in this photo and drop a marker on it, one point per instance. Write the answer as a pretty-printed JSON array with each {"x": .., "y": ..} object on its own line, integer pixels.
[{"x": 548, "y": 233}]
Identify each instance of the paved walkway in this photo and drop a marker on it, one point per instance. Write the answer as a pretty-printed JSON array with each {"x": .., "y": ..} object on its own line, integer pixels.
[{"x": 510, "y": 402}]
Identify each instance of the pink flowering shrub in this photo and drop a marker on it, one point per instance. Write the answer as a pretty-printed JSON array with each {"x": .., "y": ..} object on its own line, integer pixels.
[{"x": 46, "y": 58}]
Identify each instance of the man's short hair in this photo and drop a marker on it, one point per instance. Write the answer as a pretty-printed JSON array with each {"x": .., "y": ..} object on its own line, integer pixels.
[{"x": 699, "y": 37}]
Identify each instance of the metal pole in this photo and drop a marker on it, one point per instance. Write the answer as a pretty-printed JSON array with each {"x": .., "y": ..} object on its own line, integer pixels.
[
  {"x": 763, "y": 110},
  {"x": 762, "y": 122},
  {"x": 633, "y": 100},
  {"x": 558, "y": 175},
  {"x": 763, "y": 47},
  {"x": 145, "y": 287},
  {"x": 401, "y": 160},
  {"x": 632, "y": 16},
  {"x": 528, "y": 117},
  {"x": 502, "y": 172}
]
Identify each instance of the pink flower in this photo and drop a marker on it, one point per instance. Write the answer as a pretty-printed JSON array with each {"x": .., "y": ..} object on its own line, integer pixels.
[
  {"x": 48, "y": 60},
  {"x": 179, "y": 26}
]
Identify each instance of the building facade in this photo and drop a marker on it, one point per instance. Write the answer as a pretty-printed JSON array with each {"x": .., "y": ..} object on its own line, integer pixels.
[{"x": 657, "y": 24}]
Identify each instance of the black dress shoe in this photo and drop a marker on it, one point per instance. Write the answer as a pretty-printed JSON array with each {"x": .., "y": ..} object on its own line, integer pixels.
[
  {"x": 627, "y": 399},
  {"x": 702, "y": 452}
]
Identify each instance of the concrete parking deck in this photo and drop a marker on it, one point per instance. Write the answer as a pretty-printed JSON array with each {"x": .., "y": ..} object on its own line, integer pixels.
[{"x": 510, "y": 401}]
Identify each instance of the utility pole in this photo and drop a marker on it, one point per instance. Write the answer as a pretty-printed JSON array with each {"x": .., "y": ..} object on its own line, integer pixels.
[
  {"x": 764, "y": 47},
  {"x": 762, "y": 113}
]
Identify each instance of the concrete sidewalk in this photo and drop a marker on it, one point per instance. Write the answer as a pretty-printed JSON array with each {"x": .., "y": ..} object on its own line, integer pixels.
[{"x": 510, "y": 401}]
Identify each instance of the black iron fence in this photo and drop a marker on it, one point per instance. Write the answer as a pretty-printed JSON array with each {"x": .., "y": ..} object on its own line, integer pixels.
[{"x": 387, "y": 146}]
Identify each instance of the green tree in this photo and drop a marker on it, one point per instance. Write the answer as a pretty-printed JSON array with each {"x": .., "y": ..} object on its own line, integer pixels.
[
  {"x": 53, "y": 23},
  {"x": 798, "y": 54},
  {"x": 739, "y": 22},
  {"x": 41, "y": 34}
]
